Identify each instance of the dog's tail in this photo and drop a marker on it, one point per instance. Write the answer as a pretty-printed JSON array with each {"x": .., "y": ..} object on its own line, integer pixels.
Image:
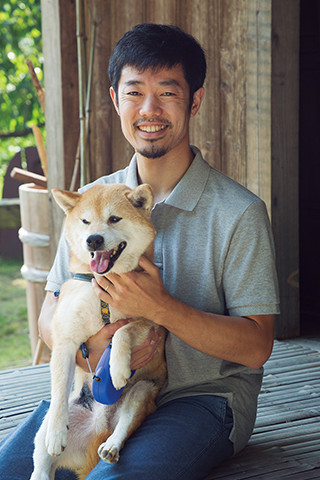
[{"x": 92, "y": 457}]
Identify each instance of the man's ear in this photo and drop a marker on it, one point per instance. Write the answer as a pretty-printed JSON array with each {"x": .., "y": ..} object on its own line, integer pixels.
[
  {"x": 197, "y": 100},
  {"x": 113, "y": 96}
]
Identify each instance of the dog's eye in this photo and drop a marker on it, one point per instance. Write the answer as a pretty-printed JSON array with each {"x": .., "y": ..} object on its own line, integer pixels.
[
  {"x": 85, "y": 221},
  {"x": 114, "y": 219}
]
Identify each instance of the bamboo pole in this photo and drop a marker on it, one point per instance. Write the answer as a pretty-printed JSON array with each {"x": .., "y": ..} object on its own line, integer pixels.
[
  {"x": 89, "y": 87},
  {"x": 36, "y": 131},
  {"x": 82, "y": 88},
  {"x": 41, "y": 148},
  {"x": 75, "y": 169},
  {"x": 36, "y": 83}
]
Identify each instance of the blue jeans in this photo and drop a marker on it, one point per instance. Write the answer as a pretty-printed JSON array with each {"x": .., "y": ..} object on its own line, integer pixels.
[{"x": 184, "y": 439}]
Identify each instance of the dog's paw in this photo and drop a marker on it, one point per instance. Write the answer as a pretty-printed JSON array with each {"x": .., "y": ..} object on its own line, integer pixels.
[
  {"x": 109, "y": 452},
  {"x": 120, "y": 373},
  {"x": 56, "y": 441},
  {"x": 40, "y": 476}
]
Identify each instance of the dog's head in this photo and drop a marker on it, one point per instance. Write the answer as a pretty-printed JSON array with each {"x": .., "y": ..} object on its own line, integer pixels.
[{"x": 108, "y": 227}]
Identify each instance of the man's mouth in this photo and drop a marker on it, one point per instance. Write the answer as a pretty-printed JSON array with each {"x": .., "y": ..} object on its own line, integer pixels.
[
  {"x": 152, "y": 128},
  {"x": 152, "y": 125},
  {"x": 103, "y": 261}
]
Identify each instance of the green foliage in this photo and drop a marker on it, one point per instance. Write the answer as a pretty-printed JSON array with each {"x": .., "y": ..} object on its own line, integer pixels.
[
  {"x": 14, "y": 337},
  {"x": 20, "y": 38}
]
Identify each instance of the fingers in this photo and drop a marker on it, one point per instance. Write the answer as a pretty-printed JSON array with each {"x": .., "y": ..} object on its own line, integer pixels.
[
  {"x": 147, "y": 265},
  {"x": 101, "y": 286},
  {"x": 97, "y": 344},
  {"x": 142, "y": 354},
  {"x": 103, "y": 282}
]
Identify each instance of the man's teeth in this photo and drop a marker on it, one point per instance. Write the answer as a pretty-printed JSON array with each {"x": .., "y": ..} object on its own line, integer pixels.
[{"x": 152, "y": 128}]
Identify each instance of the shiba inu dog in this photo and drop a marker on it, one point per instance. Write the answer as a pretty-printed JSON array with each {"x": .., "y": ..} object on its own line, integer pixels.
[{"x": 108, "y": 228}]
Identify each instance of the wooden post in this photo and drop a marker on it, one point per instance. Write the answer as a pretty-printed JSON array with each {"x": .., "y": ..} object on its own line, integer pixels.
[
  {"x": 285, "y": 158},
  {"x": 61, "y": 87},
  {"x": 258, "y": 99}
]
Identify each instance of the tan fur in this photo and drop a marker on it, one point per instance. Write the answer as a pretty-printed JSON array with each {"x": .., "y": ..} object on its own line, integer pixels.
[
  {"x": 69, "y": 427},
  {"x": 92, "y": 457}
]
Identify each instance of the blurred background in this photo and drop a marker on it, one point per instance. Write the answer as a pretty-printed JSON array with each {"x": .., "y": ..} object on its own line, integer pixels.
[{"x": 20, "y": 39}]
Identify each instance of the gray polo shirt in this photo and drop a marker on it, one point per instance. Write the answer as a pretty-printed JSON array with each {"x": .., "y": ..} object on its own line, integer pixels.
[{"x": 215, "y": 252}]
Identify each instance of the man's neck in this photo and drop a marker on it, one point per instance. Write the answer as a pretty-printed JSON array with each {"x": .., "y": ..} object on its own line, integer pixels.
[{"x": 163, "y": 173}]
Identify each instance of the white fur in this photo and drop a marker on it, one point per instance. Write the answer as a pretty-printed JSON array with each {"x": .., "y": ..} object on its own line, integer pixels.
[{"x": 68, "y": 427}]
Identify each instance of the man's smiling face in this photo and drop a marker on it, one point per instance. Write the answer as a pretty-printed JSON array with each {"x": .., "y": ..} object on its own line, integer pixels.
[{"x": 154, "y": 108}]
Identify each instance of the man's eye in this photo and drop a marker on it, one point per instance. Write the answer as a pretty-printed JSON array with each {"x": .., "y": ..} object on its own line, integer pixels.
[
  {"x": 114, "y": 219},
  {"x": 133, "y": 94},
  {"x": 168, "y": 94},
  {"x": 86, "y": 222}
]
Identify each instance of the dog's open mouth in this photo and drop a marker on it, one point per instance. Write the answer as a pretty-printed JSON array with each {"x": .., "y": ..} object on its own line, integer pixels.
[{"x": 102, "y": 262}]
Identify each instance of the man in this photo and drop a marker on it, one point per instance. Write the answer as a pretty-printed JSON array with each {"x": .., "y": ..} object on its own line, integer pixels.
[{"x": 213, "y": 284}]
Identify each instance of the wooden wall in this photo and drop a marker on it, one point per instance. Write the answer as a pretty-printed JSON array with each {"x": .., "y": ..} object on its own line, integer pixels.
[{"x": 233, "y": 128}]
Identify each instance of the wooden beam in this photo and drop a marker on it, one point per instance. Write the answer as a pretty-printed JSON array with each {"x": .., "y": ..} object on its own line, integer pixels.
[{"x": 285, "y": 158}]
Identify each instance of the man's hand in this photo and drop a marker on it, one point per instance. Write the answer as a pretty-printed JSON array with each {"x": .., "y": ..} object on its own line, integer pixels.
[
  {"x": 140, "y": 355},
  {"x": 138, "y": 294},
  {"x": 97, "y": 344}
]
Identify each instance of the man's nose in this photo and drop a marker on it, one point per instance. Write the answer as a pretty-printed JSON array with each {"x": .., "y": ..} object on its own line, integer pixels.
[{"x": 150, "y": 106}]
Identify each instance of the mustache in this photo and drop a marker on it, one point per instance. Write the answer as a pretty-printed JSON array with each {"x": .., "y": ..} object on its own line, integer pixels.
[{"x": 143, "y": 121}]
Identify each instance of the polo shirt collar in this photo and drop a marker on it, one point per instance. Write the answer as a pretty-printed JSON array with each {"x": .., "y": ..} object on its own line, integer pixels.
[
  {"x": 188, "y": 191},
  {"x": 132, "y": 177}
]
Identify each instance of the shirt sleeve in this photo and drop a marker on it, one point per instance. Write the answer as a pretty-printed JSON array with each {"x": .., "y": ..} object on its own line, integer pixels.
[
  {"x": 59, "y": 272},
  {"x": 250, "y": 278}
]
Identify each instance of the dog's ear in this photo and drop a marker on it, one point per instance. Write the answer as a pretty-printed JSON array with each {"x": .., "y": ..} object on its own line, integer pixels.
[
  {"x": 141, "y": 197},
  {"x": 65, "y": 200}
]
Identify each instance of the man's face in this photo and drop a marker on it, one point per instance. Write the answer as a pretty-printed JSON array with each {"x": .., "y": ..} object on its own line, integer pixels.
[{"x": 154, "y": 109}]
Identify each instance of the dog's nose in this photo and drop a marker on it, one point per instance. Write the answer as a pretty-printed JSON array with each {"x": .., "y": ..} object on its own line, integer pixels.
[{"x": 95, "y": 242}]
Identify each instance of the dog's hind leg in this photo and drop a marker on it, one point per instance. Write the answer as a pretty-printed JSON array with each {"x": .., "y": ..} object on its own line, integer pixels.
[
  {"x": 62, "y": 372},
  {"x": 139, "y": 402}
]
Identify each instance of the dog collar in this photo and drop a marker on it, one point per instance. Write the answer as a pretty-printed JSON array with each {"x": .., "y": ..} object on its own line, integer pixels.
[
  {"x": 102, "y": 387},
  {"x": 104, "y": 307}
]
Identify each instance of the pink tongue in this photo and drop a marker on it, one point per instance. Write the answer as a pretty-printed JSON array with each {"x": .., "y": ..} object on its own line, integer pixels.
[{"x": 100, "y": 262}]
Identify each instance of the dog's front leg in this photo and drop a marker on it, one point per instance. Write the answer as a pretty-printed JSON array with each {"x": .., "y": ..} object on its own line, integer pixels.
[
  {"x": 62, "y": 367},
  {"x": 123, "y": 341},
  {"x": 44, "y": 464}
]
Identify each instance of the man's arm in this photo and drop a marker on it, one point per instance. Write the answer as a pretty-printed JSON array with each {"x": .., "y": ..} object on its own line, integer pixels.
[
  {"x": 45, "y": 318},
  {"x": 244, "y": 340},
  {"x": 96, "y": 344}
]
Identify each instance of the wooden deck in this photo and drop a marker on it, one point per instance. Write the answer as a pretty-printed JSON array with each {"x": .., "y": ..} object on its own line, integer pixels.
[{"x": 286, "y": 440}]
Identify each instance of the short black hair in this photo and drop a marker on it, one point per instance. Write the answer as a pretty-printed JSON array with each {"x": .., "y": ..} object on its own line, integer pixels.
[{"x": 151, "y": 45}]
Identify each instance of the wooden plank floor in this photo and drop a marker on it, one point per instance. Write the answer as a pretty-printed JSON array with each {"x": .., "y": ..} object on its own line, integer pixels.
[{"x": 286, "y": 440}]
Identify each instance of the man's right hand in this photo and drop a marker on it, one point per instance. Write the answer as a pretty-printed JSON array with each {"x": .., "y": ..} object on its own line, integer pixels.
[{"x": 97, "y": 344}]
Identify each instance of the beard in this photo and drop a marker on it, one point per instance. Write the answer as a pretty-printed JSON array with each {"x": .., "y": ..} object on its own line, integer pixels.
[{"x": 153, "y": 151}]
